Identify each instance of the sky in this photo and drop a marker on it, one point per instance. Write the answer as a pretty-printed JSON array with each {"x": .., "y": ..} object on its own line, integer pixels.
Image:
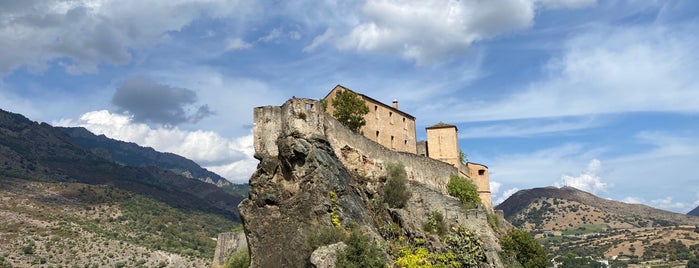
[{"x": 599, "y": 95}]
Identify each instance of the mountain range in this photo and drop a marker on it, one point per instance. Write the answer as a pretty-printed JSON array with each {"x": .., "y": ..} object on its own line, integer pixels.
[
  {"x": 571, "y": 223},
  {"x": 131, "y": 154},
  {"x": 71, "y": 197}
]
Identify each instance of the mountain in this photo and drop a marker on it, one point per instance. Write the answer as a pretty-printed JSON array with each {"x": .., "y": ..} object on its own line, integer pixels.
[
  {"x": 65, "y": 204},
  {"x": 570, "y": 222},
  {"x": 694, "y": 212},
  {"x": 30, "y": 150},
  {"x": 526, "y": 202},
  {"x": 131, "y": 154}
]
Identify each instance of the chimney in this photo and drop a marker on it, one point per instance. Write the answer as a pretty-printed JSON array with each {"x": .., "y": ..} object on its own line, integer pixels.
[{"x": 395, "y": 104}]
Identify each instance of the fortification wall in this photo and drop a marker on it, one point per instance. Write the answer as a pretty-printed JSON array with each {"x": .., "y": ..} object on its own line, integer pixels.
[{"x": 305, "y": 117}]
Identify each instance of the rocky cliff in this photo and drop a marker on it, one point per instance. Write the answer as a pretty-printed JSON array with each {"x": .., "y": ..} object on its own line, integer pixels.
[{"x": 316, "y": 175}]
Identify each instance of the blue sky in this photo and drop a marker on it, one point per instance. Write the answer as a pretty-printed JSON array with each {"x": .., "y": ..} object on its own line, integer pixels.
[{"x": 600, "y": 95}]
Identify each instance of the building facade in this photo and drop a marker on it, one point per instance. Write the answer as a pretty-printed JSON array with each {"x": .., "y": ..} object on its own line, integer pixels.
[
  {"x": 395, "y": 129},
  {"x": 385, "y": 124}
]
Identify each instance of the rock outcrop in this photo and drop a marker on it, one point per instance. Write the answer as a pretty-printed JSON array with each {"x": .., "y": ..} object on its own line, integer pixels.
[{"x": 315, "y": 174}]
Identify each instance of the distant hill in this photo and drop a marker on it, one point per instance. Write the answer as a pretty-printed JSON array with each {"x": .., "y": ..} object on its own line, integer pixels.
[
  {"x": 568, "y": 220},
  {"x": 131, "y": 154},
  {"x": 30, "y": 150},
  {"x": 555, "y": 201},
  {"x": 694, "y": 212}
]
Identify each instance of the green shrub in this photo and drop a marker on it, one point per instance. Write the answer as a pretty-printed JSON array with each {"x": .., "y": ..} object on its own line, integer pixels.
[
  {"x": 360, "y": 252},
  {"x": 466, "y": 247},
  {"x": 239, "y": 259},
  {"x": 464, "y": 190},
  {"x": 395, "y": 191},
  {"x": 526, "y": 250},
  {"x": 325, "y": 235},
  {"x": 435, "y": 223}
]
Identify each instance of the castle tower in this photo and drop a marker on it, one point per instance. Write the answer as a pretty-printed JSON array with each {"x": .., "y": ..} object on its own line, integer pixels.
[{"x": 443, "y": 143}]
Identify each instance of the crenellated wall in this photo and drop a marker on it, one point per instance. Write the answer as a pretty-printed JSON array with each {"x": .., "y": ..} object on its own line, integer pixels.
[{"x": 368, "y": 158}]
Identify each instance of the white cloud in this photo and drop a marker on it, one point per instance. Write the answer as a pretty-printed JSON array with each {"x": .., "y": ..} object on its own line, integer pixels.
[
  {"x": 505, "y": 195},
  {"x": 555, "y": 4},
  {"x": 589, "y": 180},
  {"x": 273, "y": 35},
  {"x": 667, "y": 203},
  {"x": 605, "y": 70},
  {"x": 86, "y": 33},
  {"x": 428, "y": 30},
  {"x": 233, "y": 158},
  {"x": 526, "y": 128},
  {"x": 495, "y": 187},
  {"x": 319, "y": 40},
  {"x": 237, "y": 44},
  {"x": 633, "y": 200}
]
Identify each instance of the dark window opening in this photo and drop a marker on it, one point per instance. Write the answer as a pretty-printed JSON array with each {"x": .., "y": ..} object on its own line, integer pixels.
[
  {"x": 481, "y": 172},
  {"x": 309, "y": 106}
]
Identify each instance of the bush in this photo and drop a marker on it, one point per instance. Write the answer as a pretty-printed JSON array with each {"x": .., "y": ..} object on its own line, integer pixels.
[
  {"x": 360, "y": 252},
  {"x": 325, "y": 235},
  {"x": 435, "y": 223},
  {"x": 395, "y": 191},
  {"x": 526, "y": 250},
  {"x": 464, "y": 190},
  {"x": 239, "y": 259}
]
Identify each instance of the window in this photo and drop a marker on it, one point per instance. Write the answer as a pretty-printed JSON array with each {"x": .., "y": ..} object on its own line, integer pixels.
[
  {"x": 377, "y": 134},
  {"x": 309, "y": 106},
  {"x": 481, "y": 172},
  {"x": 390, "y": 117},
  {"x": 376, "y": 113},
  {"x": 392, "y": 146}
]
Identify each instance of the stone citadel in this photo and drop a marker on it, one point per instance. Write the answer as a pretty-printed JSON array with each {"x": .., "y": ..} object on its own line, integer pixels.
[{"x": 395, "y": 129}]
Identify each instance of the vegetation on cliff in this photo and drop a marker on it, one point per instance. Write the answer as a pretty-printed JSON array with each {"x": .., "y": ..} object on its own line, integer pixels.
[{"x": 464, "y": 190}]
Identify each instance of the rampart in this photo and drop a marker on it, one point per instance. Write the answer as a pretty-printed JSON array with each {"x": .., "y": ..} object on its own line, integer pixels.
[{"x": 306, "y": 117}]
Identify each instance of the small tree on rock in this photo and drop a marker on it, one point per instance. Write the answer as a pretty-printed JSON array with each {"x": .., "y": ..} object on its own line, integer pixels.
[{"x": 349, "y": 109}]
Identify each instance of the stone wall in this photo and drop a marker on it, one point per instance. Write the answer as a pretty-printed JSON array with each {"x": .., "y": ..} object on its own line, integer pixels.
[{"x": 270, "y": 120}]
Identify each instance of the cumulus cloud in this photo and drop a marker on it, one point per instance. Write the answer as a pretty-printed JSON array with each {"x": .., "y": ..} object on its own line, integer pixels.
[
  {"x": 230, "y": 158},
  {"x": 633, "y": 200},
  {"x": 589, "y": 180},
  {"x": 85, "y": 33},
  {"x": 669, "y": 204},
  {"x": 495, "y": 187},
  {"x": 505, "y": 195},
  {"x": 556, "y": 4},
  {"x": 604, "y": 70},
  {"x": 148, "y": 101},
  {"x": 427, "y": 30},
  {"x": 237, "y": 44}
]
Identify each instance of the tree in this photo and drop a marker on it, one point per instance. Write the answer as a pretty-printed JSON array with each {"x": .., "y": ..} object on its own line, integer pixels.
[
  {"x": 526, "y": 250},
  {"x": 464, "y": 190},
  {"x": 349, "y": 109}
]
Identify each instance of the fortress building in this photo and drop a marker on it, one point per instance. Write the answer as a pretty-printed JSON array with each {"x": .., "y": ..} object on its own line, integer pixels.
[
  {"x": 385, "y": 124},
  {"x": 395, "y": 129}
]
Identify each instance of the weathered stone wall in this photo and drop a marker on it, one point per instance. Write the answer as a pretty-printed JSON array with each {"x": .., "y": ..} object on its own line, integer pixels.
[{"x": 271, "y": 120}]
